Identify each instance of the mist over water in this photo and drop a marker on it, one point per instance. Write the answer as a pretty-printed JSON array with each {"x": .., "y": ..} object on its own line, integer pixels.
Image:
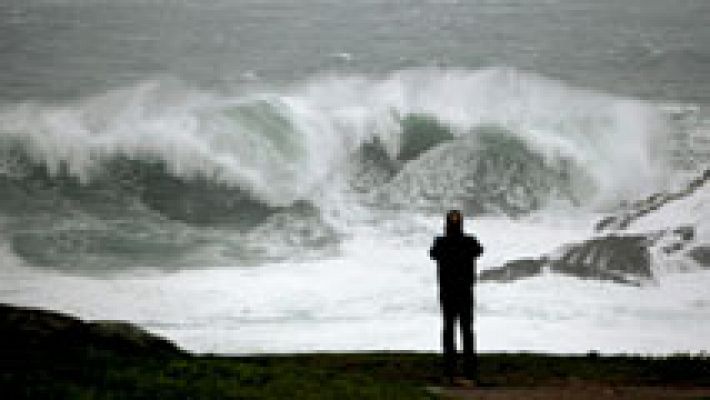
[{"x": 238, "y": 185}]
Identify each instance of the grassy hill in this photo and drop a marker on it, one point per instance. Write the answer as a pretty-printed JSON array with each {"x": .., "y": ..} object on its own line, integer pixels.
[{"x": 45, "y": 355}]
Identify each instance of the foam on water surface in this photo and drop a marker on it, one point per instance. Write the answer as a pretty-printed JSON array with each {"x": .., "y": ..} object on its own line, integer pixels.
[{"x": 380, "y": 294}]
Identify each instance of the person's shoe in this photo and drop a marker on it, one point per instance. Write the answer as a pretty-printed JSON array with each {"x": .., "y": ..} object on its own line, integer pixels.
[
  {"x": 471, "y": 375},
  {"x": 465, "y": 382}
]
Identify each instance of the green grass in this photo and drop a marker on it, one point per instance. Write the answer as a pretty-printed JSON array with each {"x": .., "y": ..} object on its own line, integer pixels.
[
  {"x": 105, "y": 375},
  {"x": 46, "y": 355}
]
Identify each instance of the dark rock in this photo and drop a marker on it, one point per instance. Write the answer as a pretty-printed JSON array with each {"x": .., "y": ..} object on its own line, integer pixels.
[
  {"x": 605, "y": 223},
  {"x": 128, "y": 337},
  {"x": 685, "y": 233},
  {"x": 676, "y": 239},
  {"x": 701, "y": 254},
  {"x": 623, "y": 259},
  {"x": 673, "y": 248},
  {"x": 620, "y": 259},
  {"x": 46, "y": 333},
  {"x": 635, "y": 211},
  {"x": 638, "y": 209},
  {"x": 513, "y": 270}
]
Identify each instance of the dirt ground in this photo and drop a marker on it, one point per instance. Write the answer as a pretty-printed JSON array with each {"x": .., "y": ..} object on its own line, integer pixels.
[{"x": 581, "y": 392}]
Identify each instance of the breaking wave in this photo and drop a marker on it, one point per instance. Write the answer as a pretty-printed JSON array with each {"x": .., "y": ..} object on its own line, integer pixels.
[{"x": 150, "y": 173}]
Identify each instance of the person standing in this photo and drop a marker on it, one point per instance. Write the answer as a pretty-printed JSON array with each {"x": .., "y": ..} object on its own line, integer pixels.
[{"x": 455, "y": 254}]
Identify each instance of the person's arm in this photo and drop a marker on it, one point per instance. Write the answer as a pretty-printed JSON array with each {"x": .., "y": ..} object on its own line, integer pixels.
[
  {"x": 478, "y": 249},
  {"x": 475, "y": 248},
  {"x": 435, "y": 251}
]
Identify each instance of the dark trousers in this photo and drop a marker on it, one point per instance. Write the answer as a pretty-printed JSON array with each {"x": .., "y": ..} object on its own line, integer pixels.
[{"x": 459, "y": 307}]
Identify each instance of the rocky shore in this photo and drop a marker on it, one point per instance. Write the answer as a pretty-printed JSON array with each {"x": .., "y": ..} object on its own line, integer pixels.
[{"x": 626, "y": 251}]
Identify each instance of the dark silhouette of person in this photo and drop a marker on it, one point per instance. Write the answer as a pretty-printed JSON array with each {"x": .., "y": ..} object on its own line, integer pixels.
[{"x": 455, "y": 253}]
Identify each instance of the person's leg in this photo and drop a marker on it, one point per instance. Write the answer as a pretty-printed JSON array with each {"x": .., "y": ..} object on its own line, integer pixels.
[
  {"x": 448, "y": 342},
  {"x": 468, "y": 338}
]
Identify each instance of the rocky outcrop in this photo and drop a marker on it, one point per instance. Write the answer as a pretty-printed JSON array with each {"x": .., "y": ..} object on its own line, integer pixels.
[
  {"x": 514, "y": 270},
  {"x": 701, "y": 255},
  {"x": 626, "y": 255},
  {"x": 638, "y": 209},
  {"x": 51, "y": 334},
  {"x": 621, "y": 259}
]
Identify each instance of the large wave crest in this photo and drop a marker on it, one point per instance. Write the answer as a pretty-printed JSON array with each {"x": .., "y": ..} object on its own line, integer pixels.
[{"x": 493, "y": 140}]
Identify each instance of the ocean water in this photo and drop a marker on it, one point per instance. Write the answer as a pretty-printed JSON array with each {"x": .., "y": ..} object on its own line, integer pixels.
[{"x": 247, "y": 177}]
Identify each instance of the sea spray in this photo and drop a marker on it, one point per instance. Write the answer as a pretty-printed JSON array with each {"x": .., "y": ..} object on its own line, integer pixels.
[{"x": 160, "y": 157}]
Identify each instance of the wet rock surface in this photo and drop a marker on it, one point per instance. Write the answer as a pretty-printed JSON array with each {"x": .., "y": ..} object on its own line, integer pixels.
[
  {"x": 513, "y": 270},
  {"x": 701, "y": 255},
  {"x": 620, "y": 255},
  {"x": 621, "y": 259},
  {"x": 638, "y": 209}
]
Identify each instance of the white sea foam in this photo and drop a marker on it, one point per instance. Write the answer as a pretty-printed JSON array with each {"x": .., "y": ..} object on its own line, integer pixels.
[
  {"x": 381, "y": 294},
  {"x": 379, "y": 290},
  {"x": 282, "y": 145}
]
